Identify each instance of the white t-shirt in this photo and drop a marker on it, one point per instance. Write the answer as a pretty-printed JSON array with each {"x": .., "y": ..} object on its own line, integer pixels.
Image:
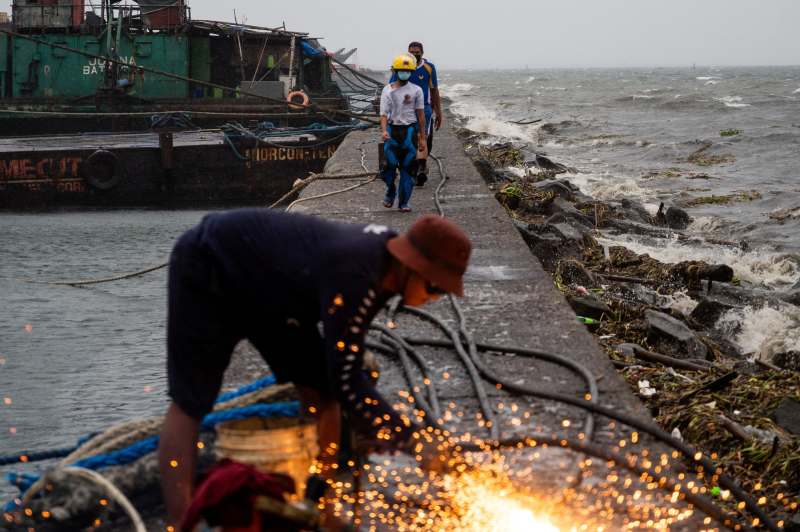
[{"x": 400, "y": 105}]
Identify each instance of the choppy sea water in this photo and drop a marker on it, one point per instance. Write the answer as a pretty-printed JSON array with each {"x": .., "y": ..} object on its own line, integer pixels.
[
  {"x": 75, "y": 360},
  {"x": 627, "y": 132}
]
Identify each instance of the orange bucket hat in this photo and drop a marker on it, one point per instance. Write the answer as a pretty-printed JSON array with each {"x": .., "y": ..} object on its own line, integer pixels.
[{"x": 437, "y": 249}]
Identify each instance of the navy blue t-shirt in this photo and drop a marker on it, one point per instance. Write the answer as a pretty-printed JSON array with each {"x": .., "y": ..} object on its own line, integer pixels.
[{"x": 309, "y": 269}]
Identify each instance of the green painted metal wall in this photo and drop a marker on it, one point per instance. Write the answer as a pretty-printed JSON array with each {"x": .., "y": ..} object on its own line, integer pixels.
[
  {"x": 168, "y": 53},
  {"x": 40, "y": 71},
  {"x": 3, "y": 64}
]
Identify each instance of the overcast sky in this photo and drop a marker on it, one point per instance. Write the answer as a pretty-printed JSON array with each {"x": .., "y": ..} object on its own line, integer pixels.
[{"x": 539, "y": 33}]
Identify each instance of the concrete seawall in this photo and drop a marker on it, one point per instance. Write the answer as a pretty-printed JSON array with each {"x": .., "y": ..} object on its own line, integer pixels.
[{"x": 509, "y": 300}]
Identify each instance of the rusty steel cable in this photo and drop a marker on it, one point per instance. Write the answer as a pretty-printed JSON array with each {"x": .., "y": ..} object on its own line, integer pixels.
[
  {"x": 300, "y": 186},
  {"x": 93, "y": 281}
]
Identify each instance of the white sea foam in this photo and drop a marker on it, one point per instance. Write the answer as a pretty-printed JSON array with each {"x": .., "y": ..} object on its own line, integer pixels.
[
  {"x": 604, "y": 186},
  {"x": 706, "y": 78},
  {"x": 711, "y": 82},
  {"x": 765, "y": 331},
  {"x": 795, "y": 92},
  {"x": 681, "y": 301},
  {"x": 644, "y": 96},
  {"x": 732, "y": 101},
  {"x": 483, "y": 120},
  {"x": 530, "y": 79},
  {"x": 706, "y": 224},
  {"x": 458, "y": 88},
  {"x": 758, "y": 267}
]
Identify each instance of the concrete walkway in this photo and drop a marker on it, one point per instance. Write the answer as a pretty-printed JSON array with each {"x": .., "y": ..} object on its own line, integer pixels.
[{"x": 509, "y": 300}]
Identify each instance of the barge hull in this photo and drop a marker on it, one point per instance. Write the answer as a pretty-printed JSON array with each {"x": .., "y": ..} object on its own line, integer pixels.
[{"x": 197, "y": 168}]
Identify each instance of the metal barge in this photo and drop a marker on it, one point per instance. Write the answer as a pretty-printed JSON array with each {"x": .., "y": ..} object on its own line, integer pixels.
[
  {"x": 68, "y": 67},
  {"x": 168, "y": 168}
]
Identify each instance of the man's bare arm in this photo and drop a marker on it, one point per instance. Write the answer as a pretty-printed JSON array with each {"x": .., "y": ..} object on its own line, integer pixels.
[
  {"x": 177, "y": 456},
  {"x": 423, "y": 137},
  {"x": 437, "y": 108}
]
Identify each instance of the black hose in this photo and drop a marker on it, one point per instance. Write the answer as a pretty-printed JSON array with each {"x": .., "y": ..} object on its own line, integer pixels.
[
  {"x": 404, "y": 350},
  {"x": 439, "y": 186},
  {"x": 591, "y": 449},
  {"x": 483, "y": 399},
  {"x": 704, "y": 463}
]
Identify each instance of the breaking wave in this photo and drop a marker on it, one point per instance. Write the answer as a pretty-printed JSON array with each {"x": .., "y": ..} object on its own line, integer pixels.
[
  {"x": 732, "y": 101},
  {"x": 706, "y": 224},
  {"x": 775, "y": 270},
  {"x": 601, "y": 187},
  {"x": 459, "y": 89},
  {"x": 765, "y": 331},
  {"x": 483, "y": 120}
]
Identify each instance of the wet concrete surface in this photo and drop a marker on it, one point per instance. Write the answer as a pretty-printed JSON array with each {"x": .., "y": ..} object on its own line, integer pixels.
[{"x": 509, "y": 300}]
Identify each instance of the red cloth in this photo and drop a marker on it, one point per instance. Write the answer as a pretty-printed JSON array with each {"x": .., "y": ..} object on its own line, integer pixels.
[{"x": 227, "y": 492}]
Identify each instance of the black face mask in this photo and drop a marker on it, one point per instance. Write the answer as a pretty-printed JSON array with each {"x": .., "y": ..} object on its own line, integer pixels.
[{"x": 419, "y": 58}]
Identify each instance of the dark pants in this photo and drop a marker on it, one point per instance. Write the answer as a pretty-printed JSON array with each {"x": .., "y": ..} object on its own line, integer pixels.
[{"x": 400, "y": 152}]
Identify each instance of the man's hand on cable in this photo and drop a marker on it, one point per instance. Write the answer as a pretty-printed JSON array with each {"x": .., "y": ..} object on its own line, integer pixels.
[
  {"x": 437, "y": 122},
  {"x": 423, "y": 142}
]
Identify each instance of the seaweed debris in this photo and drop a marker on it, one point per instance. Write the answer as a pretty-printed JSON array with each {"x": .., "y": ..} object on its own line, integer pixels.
[{"x": 701, "y": 157}]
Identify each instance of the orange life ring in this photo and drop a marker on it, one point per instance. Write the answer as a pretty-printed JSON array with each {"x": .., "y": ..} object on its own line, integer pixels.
[{"x": 292, "y": 95}]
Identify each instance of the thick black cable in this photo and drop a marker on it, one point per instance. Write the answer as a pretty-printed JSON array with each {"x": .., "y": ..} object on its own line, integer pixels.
[
  {"x": 702, "y": 461},
  {"x": 585, "y": 373},
  {"x": 436, "y": 198},
  {"x": 357, "y": 73},
  {"x": 686, "y": 450},
  {"x": 389, "y": 346},
  {"x": 483, "y": 399},
  {"x": 616, "y": 459},
  {"x": 413, "y": 353}
]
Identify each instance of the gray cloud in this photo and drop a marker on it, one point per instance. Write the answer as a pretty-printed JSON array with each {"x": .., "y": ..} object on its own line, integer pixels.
[{"x": 545, "y": 33}]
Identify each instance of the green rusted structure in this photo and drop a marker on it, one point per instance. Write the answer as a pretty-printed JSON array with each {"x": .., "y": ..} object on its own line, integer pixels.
[{"x": 47, "y": 89}]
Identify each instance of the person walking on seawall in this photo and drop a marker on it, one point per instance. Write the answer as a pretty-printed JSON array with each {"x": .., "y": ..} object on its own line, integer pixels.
[
  {"x": 425, "y": 77},
  {"x": 402, "y": 127},
  {"x": 271, "y": 277}
]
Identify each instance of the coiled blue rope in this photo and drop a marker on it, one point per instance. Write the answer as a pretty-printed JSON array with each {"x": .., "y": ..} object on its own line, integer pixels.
[
  {"x": 132, "y": 453},
  {"x": 145, "y": 447},
  {"x": 60, "y": 453},
  {"x": 244, "y": 390}
]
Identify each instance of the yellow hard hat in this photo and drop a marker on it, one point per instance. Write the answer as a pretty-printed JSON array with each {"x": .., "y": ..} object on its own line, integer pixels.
[{"x": 404, "y": 62}]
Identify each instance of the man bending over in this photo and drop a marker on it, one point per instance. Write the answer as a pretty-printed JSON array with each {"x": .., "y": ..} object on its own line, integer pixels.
[{"x": 272, "y": 277}]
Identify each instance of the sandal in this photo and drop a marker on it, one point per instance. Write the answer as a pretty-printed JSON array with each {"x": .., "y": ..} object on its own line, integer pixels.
[
  {"x": 388, "y": 203},
  {"x": 406, "y": 208}
]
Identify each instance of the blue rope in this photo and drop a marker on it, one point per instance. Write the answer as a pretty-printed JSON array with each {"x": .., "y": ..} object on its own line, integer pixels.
[
  {"x": 261, "y": 383},
  {"x": 60, "y": 453},
  {"x": 145, "y": 447},
  {"x": 35, "y": 457}
]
